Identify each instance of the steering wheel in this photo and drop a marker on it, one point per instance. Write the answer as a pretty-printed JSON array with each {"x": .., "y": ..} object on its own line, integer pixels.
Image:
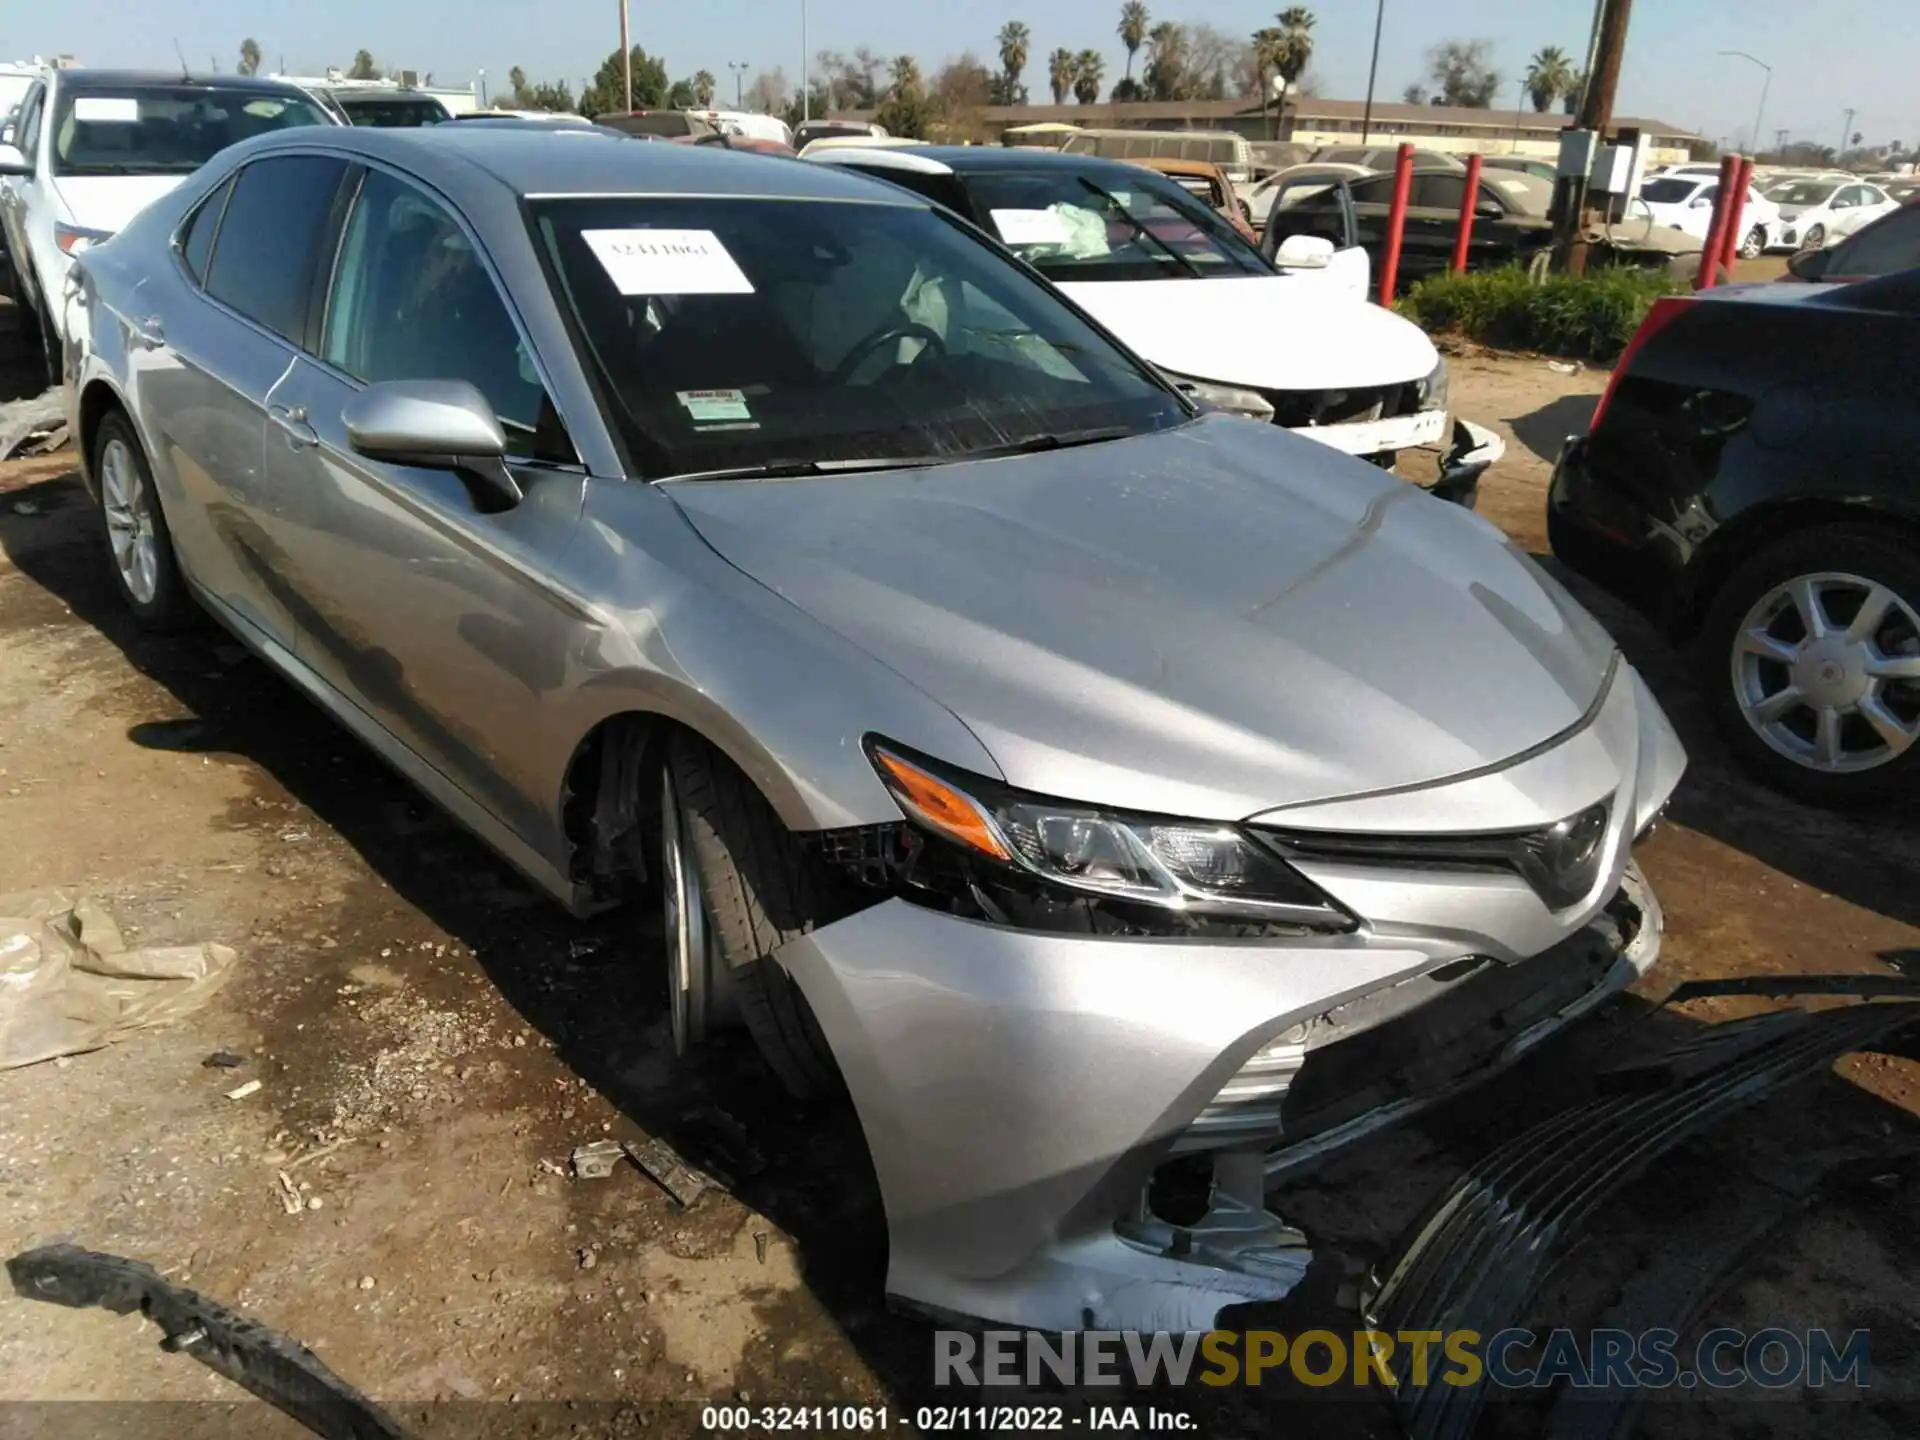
[{"x": 857, "y": 356}]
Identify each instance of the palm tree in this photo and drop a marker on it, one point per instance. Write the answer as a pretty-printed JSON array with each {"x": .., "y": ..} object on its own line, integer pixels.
[
  {"x": 1549, "y": 76},
  {"x": 249, "y": 57},
  {"x": 1061, "y": 70},
  {"x": 1266, "y": 50},
  {"x": 1088, "y": 71},
  {"x": 1292, "y": 50},
  {"x": 1166, "y": 61},
  {"x": 1014, "y": 38},
  {"x": 1133, "y": 30},
  {"x": 703, "y": 83},
  {"x": 1575, "y": 92}
]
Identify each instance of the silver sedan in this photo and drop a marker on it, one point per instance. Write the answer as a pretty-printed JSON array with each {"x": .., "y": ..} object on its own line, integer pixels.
[{"x": 1082, "y": 783}]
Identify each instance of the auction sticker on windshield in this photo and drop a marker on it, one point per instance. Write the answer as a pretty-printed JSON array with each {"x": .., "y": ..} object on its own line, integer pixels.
[
  {"x": 705, "y": 407},
  {"x": 1029, "y": 227},
  {"x": 111, "y": 109},
  {"x": 667, "y": 262}
]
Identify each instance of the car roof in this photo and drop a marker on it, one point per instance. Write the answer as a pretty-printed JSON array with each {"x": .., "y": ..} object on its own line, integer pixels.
[
  {"x": 81, "y": 77},
  {"x": 982, "y": 159},
  {"x": 549, "y": 160}
]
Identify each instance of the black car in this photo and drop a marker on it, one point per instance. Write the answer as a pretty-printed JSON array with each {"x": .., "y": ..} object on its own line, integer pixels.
[
  {"x": 390, "y": 109},
  {"x": 1511, "y": 222},
  {"x": 1748, "y": 483}
]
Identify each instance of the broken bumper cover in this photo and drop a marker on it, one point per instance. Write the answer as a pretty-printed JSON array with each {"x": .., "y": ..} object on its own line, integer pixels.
[
  {"x": 1471, "y": 448},
  {"x": 1018, "y": 1088},
  {"x": 1475, "y": 448},
  {"x": 1476, "y": 1260}
]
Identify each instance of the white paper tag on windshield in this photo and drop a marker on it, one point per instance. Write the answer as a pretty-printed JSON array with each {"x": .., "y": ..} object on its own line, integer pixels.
[
  {"x": 667, "y": 262},
  {"x": 1029, "y": 227},
  {"x": 114, "y": 109},
  {"x": 705, "y": 406}
]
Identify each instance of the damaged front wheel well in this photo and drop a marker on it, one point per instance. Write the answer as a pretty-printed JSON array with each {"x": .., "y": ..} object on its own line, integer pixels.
[{"x": 604, "y": 808}]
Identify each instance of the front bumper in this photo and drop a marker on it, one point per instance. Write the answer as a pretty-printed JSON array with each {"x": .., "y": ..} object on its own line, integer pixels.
[{"x": 1471, "y": 449}]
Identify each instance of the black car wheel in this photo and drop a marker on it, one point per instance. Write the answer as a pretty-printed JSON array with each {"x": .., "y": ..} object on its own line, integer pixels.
[
  {"x": 1815, "y": 643},
  {"x": 1814, "y": 238},
  {"x": 1755, "y": 243},
  {"x": 737, "y": 885}
]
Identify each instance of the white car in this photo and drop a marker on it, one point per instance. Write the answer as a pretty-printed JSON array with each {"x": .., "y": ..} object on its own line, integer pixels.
[
  {"x": 1298, "y": 346},
  {"x": 1815, "y": 213},
  {"x": 91, "y": 148},
  {"x": 1685, "y": 203}
]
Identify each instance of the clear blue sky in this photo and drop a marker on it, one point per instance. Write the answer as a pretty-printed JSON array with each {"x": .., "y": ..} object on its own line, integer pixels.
[{"x": 1864, "y": 58}]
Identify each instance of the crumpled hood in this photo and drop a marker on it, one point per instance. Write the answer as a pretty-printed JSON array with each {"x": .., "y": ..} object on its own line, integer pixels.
[
  {"x": 1272, "y": 332},
  {"x": 108, "y": 202},
  {"x": 1212, "y": 621}
]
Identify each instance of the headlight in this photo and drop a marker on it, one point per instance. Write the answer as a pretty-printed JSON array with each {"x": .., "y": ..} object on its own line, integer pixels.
[
  {"x": 1561, "y": 862},
  {"x": 1433, "y": 389},
  {"x": 1197, "y": 867},
  {"x": 1231, "y": 398},
  {"x": 72, "y": 239}
]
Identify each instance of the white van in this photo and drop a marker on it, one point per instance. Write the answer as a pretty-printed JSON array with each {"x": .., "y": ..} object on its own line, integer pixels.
[
  {"x": 747, "y": 123},
  {"x": 1229, "y": 151}
]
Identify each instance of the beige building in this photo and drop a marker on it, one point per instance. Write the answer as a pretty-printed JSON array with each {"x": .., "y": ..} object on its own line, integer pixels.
[{"x": 1314, "y": 123}]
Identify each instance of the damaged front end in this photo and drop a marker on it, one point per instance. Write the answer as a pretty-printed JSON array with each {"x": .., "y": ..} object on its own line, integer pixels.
[{"x": 1477, "y": 1260}]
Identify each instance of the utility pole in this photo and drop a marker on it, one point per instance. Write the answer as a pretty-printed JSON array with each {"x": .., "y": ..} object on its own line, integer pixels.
[
  {"x": 739, "y": 69},
  {"x": 1373, "y": 69},
  {"x": 1780, "y": 141},
  {"x": 1845, "y": 130},
  {"x": 626, "y": 57},
  {"x": 1596, "y": 114},
  {"x": 806, "y": 74}
]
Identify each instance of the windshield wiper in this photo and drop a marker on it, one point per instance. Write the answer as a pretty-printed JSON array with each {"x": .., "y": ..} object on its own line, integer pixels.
[
  {"x": 791, "y": 468},
  {"x": 1140, "y": 229}
]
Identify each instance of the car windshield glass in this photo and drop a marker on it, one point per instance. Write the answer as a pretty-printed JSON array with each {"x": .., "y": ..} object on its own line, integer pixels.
[
  {"x": 393, "y": 113},
  {"x": 737, "y": 332},
  {"x": 165, "y": 129},
  {"x": 1804, "y": 192},
  {"x": 1668, "y": 191},
  {"x": 1072, "y": 225}
]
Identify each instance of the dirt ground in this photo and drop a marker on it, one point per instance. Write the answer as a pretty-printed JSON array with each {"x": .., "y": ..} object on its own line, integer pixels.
[{"x": 432, "y": 1039}]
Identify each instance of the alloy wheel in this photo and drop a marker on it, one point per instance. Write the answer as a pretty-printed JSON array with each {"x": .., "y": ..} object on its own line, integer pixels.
[
  {"x": 1826, "y": 669},
  {"x": 698, "y": 983},
  {"x": 127, "y": 502},
  {"x": 1754, "y": 244}
]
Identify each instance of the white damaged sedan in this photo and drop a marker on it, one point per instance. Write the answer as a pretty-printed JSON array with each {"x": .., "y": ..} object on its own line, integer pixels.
[{"x": 1300, "y": 347}]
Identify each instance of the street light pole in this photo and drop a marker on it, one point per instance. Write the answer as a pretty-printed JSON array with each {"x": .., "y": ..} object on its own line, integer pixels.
[
  {"x": 1373, "y": 69},
  {"x": 1846, "y": 130},
  {"x": 739, "y": 69},
  {"x": 806, "y": 87},
  {"x": 626, "y": 57},
  {"x": 1759, "y": 114}
]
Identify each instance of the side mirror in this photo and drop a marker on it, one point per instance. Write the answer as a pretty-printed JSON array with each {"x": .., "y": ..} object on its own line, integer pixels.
[
  {"x": 1700, "y": 202},
  {"x": 1810, "y": 264},
  {"x": 1487, "y": 210},
  {"x": 12, "y": 162},
  {"x": 1304, "y": 252},
  {"x": 436, "y": 425}
]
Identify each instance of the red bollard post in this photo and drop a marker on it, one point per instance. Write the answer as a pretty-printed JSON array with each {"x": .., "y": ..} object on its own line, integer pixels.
[
  {"x": 1467, "y": 203},
  {"x": 1717, "y": 228},
  {"x": 1736, "y": 228},
  {"x": 1396, "y": 223}
]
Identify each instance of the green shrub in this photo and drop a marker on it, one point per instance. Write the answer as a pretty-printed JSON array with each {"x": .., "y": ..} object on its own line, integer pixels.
[{"x": 1591, "y": 317}]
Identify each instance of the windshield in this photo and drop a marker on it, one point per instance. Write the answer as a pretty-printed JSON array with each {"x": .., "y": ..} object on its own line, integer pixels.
[
  {"x": 393, "y": 113},
  {"x": 165, "y": 129},
  {"x": 1668, "y": 191},
  {"x": 1803, "y": 192},
  {"x": 1070, "y": 225},
  {"x": 745, "y": 332}
]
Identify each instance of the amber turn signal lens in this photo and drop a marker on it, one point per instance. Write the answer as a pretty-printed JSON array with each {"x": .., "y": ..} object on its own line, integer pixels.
[{"x": 940, "y": 806}]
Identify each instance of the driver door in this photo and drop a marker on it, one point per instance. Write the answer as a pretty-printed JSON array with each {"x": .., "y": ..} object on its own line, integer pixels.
[{"x": 444, "y": 623}]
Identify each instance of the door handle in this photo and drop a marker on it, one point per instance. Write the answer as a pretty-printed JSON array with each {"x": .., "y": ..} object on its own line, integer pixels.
[
  {"x": 148, "y": 334},
  {"x": 292, "y": 420}
]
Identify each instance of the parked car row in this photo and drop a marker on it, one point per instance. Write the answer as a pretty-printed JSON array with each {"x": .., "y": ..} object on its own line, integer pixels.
[{"x": 1084, "y": 779}]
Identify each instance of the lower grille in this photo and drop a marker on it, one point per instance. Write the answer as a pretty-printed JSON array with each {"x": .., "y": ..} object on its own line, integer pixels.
[{"x": 1297, "y": 409}]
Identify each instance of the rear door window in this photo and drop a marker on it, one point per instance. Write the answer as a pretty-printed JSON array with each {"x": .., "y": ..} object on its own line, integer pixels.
[
  {"x": 278, "y": 217},
  {"x": 197, "y": 239}
]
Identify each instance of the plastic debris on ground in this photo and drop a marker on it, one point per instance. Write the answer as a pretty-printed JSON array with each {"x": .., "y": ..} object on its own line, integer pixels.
[
  {"x": 679, "y": 1179},
  {"x": 595, "y": 1160},
  {"x": 32, "y": 427},
  {"x": 69, "y": 984}
]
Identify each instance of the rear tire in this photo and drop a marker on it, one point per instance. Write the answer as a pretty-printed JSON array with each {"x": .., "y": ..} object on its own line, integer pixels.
[
  {"x": 139, "y": 545},
  {"x": 761, "y": 890},
  {"x": 1814, "y": 238},
  {"x": 1823, "y": 725},
  {"x": 1755, "y": 245}
]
